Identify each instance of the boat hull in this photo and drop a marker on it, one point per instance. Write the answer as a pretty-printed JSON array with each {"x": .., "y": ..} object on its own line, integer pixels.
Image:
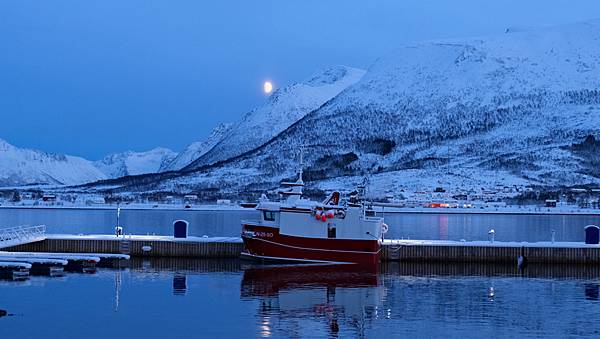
[{"x": 266, "y": 243}]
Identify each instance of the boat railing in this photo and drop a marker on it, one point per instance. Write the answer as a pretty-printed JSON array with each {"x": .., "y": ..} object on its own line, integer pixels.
[
  {"x": 22, "y": 233},
  {"x": 256, "y": 223}
]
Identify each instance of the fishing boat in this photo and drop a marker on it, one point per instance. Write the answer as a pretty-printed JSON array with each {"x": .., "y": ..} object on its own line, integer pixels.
[{"x": 301, "y": 230}]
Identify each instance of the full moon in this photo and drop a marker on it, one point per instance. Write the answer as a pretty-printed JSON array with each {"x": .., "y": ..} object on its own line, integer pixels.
[{"x": 268, "y": 87}]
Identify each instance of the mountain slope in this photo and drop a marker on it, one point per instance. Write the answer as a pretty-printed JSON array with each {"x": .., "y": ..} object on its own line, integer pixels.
[
  {"x": 489, "y": 111},
  {"x": 283, "y": 108},
  {"x": 197, "y": 149},
  {"x": 25, "y": 166},
  {"x": 134, "y": 163}
]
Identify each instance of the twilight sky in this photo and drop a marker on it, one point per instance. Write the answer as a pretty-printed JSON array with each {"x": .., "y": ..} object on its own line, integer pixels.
[{"x": 94, "y": 77}]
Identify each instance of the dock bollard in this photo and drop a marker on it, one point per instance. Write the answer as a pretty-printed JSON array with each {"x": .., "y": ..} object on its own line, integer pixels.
[
  {"x": 492, "y": 234},
  {"x": 180, "y": 229},
  {"x": 592, "y": 234}
]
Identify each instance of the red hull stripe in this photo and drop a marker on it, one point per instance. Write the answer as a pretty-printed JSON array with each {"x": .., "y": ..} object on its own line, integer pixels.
[
  {"x": 272, "y": 234},
  {"x": 275, "y": 250},
  {"x": 314, "y": 249}
]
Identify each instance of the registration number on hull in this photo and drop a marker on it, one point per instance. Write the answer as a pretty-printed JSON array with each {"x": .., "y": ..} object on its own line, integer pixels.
[
  {"x": 257, "y": 234},
  {"x": 261, "y": 234}
]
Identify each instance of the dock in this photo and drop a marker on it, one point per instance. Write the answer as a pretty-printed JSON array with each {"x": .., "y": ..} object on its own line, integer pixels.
[
  {"x": 19, "y": 264},
  {"x": 432, "y": 251},
  {"x": 138, "y": 245},
  {"x": 423, "y": 251}
]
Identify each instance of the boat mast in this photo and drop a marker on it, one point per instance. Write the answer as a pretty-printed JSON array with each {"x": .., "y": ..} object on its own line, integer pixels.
[{"x": 301, "y": 164}]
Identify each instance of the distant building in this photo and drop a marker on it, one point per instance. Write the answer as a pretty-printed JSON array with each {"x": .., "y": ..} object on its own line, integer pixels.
[
  {"x": 96, "y": 201},
  {"x": 550, "y": 203},
  {"x": 49, "y": 198},
  {"x": 459, "y": 197},
  {"x": 190, "y": 198}
]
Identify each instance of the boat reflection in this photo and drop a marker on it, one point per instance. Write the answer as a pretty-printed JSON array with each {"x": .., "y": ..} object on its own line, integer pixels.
[
  {"x": 179, "y": 284},
  {"x": 334, "y": 297},
  {"x": 592, "y": 291}
]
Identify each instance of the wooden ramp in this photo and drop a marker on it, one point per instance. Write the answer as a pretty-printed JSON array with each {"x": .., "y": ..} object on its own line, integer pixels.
[{"x": 20, "y": 235}]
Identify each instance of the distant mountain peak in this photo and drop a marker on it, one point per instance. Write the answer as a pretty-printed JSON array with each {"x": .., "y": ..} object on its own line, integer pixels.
[
  {"x": 21, "y": 166},
  {"x": 134, "y": 163}
]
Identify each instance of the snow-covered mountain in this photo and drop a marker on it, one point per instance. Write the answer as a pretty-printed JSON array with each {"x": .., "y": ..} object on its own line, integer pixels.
[
  {"x": 283, "y": 108},
  {"x": 134, "y": 163},
  {"x": 505, "y": 109},
  {"x": 19, "y": 166},
  {"x": 197, "y": 149},
  {"x": 25, "y": 166}
]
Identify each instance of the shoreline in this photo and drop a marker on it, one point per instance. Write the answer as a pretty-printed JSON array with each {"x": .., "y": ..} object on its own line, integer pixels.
[{"x": 511, "y": 210}]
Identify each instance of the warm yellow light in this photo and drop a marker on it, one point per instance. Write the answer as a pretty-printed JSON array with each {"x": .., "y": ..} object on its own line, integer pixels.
[{"x": 268, "y": 87}]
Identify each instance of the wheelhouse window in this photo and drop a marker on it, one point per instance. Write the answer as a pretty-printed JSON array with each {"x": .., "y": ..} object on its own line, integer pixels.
[{"x": 268, "y": 216}]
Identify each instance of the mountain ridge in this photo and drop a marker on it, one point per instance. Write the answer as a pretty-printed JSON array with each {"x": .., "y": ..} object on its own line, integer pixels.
[
  {"x": 475, "y": 95},
  {"x": 477, "y": 112}
]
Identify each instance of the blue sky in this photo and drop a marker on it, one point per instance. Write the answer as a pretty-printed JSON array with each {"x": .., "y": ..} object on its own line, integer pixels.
[{"x": 94, "y": 77}]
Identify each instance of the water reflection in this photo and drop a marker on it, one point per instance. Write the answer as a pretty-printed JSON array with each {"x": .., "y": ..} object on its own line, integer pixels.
[
  {"x": 236, "y": 300},
  {"x": 179, "y": 284},
  {"x": 491, "y": 293},
  {"x": 592, "y": 291},
  {"x": 332, "y": 296}
]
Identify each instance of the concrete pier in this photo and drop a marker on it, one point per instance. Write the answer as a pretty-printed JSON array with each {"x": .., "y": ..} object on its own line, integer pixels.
[
  {"x": 138, "y": 246},
  {"x": 429, "y": 251},
  {"x": 490, "y": 252}
]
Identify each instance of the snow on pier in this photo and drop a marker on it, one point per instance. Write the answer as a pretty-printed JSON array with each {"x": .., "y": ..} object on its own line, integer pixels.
[{"x": 33, "y": 260}]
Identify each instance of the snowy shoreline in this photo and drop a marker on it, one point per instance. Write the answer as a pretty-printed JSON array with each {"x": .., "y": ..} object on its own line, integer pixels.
[
  {"x": 508, "y": 210},
  {"x": 133, "y": 207}
]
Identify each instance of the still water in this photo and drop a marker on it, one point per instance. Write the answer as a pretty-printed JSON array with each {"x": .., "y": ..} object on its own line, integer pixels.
[
  {"x": 182, "y": 298},
  {"x": 508, "y": 227}
]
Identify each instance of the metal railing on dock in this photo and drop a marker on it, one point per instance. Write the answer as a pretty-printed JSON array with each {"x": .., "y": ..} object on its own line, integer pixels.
[{"x": 21, "y": 234}]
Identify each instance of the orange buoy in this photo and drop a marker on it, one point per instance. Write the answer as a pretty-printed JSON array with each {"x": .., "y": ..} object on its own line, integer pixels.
[{"x": 324, "y": 218}]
